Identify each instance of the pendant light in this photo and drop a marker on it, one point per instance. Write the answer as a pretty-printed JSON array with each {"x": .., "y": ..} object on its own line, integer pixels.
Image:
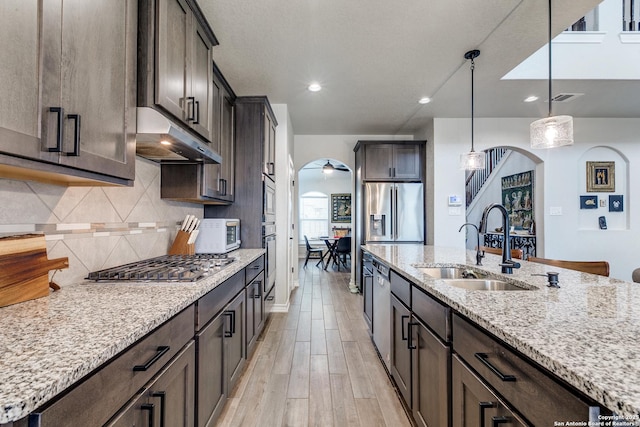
[
  {"x": 472, "y": 160},
  {"x": 552, "y": 131}
]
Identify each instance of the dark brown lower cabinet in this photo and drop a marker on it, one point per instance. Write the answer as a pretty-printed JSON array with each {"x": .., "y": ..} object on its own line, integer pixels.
[
  {"x": 255, "y": 311},
  {"x": 234, "y": 334},
  {"x": 431, "y": 364},
  {"x": 211, "y": 392},
  {"x": 167, "y": 400},
  {"x": 474, "y": 404},
  {"x": 400, "y": 350}
]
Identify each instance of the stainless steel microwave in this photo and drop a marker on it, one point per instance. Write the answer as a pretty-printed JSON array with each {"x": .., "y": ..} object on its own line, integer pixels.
[{"x": 218, "y": 236}]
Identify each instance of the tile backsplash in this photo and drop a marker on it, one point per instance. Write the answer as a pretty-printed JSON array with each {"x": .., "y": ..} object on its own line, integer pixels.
[{"x": 95, "y": 227}]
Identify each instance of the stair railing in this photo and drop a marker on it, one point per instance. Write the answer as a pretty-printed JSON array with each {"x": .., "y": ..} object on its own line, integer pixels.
[{"x": 475, "y": 179}]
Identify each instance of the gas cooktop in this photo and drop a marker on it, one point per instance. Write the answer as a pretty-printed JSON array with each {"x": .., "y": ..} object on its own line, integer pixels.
[{"x": 166, "y": 268}]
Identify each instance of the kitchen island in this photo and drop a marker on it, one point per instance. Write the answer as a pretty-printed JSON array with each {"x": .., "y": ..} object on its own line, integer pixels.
[
  {"x": 50, "y": 344},
  {"x": 585, "y": 332}
]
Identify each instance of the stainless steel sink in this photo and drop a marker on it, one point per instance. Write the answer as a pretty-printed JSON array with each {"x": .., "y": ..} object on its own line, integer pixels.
[
  {"x": 484, "y": 285},
  {"x": 450, "y": 272}
]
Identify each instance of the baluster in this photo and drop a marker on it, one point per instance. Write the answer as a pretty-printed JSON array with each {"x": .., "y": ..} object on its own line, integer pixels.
[
  {"x": 624, "y": 22},
  {"x": 632, "y": 21}
]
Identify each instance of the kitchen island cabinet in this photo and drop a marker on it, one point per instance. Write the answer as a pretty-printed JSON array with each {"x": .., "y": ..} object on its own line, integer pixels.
[
  {"x": 555, "y": 342},
  {"x": 69, "y": 91},
  {"x": 104, "y": 348}
]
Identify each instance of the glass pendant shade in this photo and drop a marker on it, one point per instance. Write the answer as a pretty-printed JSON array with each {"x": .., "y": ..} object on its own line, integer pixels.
[
  {"x": 550, "y": 132},
  {"x": 472, "y": 160},
  {"x": 327, "y": 168}
]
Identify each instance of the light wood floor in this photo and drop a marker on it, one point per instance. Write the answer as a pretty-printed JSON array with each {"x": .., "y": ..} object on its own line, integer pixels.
[{"x": 316, "y": 364}]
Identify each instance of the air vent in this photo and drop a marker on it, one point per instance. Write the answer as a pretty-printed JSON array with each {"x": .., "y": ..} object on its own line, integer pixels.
[{"x": 566, "y": 97}]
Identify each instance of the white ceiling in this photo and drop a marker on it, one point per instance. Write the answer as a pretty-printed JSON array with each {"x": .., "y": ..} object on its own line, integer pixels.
[{"x": 376, "y": 58}]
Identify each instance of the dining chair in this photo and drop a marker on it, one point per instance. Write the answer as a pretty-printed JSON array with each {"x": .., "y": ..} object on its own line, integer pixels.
[
  {"x": 515, "y": 253},
  {"x": 342, "y": 251},
  {"x": 312, "y": 250},
  {"x": 635, "y": 275},
  {"x": 594, "y": 267}
]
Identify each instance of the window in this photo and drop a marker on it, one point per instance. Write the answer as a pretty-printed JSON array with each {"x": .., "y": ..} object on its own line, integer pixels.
[{"x": 314, "y": 215}]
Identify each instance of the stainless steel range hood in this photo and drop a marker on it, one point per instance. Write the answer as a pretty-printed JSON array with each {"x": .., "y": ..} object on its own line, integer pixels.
[{"x": 162, "y": 140}]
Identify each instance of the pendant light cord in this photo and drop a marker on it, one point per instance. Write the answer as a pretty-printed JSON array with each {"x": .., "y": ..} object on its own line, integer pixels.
[
  {"x": 550, "y": 100},
  {"x": 473, "y": 66}
]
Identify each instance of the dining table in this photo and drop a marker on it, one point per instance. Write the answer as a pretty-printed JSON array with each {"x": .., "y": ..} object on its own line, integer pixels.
[{"x": 331, "y": 243}]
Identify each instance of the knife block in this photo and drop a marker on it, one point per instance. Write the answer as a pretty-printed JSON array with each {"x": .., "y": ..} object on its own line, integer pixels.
[
  {"x": 24, "y": 268},
  {"x": 180, "y": 245}
]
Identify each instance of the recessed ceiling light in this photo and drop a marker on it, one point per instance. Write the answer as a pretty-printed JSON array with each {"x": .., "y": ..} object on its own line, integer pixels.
[
  {"x": 314, "y": 87},
  {"x": 424, "y": 100},
  {"x": 165, "y": 142},
  {"x": 531, "y": 98}
]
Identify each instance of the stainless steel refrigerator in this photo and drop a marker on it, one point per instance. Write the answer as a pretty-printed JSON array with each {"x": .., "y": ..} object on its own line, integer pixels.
[{"x": 394, "y": 212}]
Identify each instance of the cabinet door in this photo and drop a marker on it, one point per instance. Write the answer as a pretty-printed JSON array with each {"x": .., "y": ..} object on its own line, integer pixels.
[
  {"x": 200, "y": 103},
  {"x": 406, "y": 162},
  {"x": 250, "y": 307},
  {"x": 20, "y": 57},
  {"x": 172, "y": 392},
  {"x": 255, "y": 311},
  {"x": 431, "y": 373},
  {"x": 269, "y": 167},
  {"x": 211, "y": 393},
  {"x": 474, "y": 404},
  {"x": 235, "y": 339},
  {"x": 378, "y": 161},
  {"x": 98, "y": 85},
  {"x": 227, "y": 148},
  {"x": 367, "y": 290},
  {"x": 171, "y": 71},
  {"x": 400, "y": 351}
]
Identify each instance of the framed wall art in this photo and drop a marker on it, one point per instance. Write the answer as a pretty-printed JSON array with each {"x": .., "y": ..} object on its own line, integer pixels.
[
  {"x": 341, "y": 207},
  {"x": 601, "y": 177}
]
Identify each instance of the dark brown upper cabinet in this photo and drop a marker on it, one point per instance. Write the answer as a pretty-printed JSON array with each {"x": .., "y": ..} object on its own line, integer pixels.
[{"x": 69, "y": 85}]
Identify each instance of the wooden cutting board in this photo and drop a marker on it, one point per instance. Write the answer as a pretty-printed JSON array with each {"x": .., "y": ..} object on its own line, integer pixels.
[{"x": 24, "y": 268}]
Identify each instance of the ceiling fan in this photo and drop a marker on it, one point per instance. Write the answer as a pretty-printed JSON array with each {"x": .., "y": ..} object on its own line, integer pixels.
[{"x": 329, "y": 167}]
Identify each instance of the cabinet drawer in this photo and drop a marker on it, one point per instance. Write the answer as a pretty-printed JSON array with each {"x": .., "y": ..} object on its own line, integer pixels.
[
  {"x": 254, "y": 269},
  {"x": 401, "y": 288},
  {"x": 530, "y": 390},
  {"x": 434, "y": 314},
  {"x": 102, "y": 393},
  {"x": 215, "y": 300}
]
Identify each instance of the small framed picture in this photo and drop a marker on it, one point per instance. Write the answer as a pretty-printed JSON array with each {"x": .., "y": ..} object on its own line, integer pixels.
[
  {"x": 341, "y": 207},
  {"x": 588, "y": 202},
  {"x": 601, "y": 177},
  {"x": 616, "y": 203}
]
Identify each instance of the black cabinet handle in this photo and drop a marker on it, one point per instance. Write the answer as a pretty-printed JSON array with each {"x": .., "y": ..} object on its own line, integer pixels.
[
  {"x": 483, "y": 406},
  {"x": 197, "y": 112},
  {"x": 149, "y": 407},
  {"x": 159, "y": 353},
  {"x": 162, "y": 396},
  {"x": 76, "y": 135},
  {"x": 255, "y": 267},
  {"x": 190, "y": 108},
  {"x": 228, "y": 333},
  {"x": 410, "y": 346},
  {"x": 233, "y": 322},
  {"x": 496, "y": 421},
  {"x": 404, "y": 337},
  {"x": 390, "y": 175},
  {"x": 258, "y": 295},
  {"x": 482, "y": 357},
  {"x": 394, "y": 172},
  {"x": 60, "y": 129}
]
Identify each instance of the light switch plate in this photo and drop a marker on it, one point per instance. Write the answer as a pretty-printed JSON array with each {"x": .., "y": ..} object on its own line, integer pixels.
[
  {"x": 455, "y": 211},
  {"x": 555, "y": 210}
]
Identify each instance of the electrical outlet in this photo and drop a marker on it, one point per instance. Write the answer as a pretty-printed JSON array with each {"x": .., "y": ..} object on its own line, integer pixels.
[{"x": 555, "y": 210}]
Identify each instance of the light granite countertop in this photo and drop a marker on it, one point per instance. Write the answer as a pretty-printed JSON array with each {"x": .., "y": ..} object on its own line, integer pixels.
[
  {"x": 586, "y": 332},
  {"x": 48, "y": 344}
]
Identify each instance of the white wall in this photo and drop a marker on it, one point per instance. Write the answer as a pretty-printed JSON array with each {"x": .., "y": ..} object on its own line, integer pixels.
[
  {"x": 286, "y": 271},
  {"x": 560, "y": 180}
]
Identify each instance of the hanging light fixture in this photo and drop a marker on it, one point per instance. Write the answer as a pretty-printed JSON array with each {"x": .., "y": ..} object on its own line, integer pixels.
[
  {"x": 552, "y": 131},
  {"x": 472, "y": 160},
  {"x": 328, "y": 168}
]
